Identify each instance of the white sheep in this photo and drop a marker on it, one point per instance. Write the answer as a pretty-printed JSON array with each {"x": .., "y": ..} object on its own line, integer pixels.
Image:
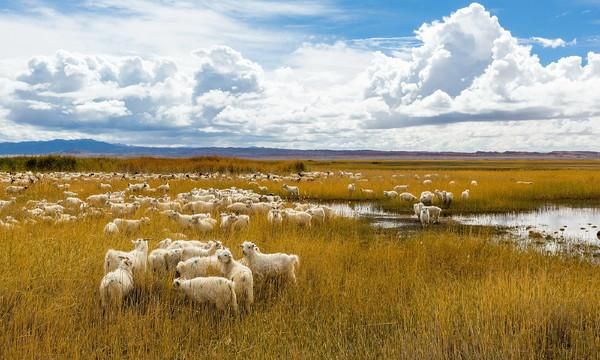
[
  {"x": 434, "y": 213},
  {"x": 427, "y": 197},
  {"x": 265, "y": 266},
  {"x": 137, "y": 187},
  {"x": 390, "y": 194},
  {"x": 200, "y": 206},
  {"x": 367, "y": 192},
  {"x": 194, "y": 251},
  {"x": 138, "y": 257},
  {"x": 351, "y": 188},
  {"x": 474, "y": 183},
  {"x": 317, "y": 213},
  {"x": 111, "y": 229},
  {"x": 424, "y": 217},
  {"x": 164, "y": 188},
  {"x": 117, "y": 284},
  {"x": 241, "y": 276},
  {"x": 203, "y": 225},
  {"x": 120, "y": 209},
  {"x": 197, "y": 266},
  {"x": 214, "y": 290},
  {"x": 274, "y": 217},
  {"x": 158, "y": 262},
  {"x": 400, "y": 188},
  {"x": 417, "y": 209},
  {"x": 105, "y": 186},
  {"x": 292, "y": 190},
  {"x": 129, "y": 226},
  {"x": 406, "y": 196},
  {"x": 465, "y": 195},
  {"x": 300, "y": 218}
]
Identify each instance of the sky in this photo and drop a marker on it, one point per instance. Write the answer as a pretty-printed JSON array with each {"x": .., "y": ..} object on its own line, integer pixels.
[{"x": 375, "y": 74}]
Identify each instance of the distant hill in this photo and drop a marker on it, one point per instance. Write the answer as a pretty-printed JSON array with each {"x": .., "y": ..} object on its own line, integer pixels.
[{"x": 88, "y": 147}]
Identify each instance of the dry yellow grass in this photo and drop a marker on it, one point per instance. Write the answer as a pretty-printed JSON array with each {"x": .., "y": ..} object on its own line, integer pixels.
[{"x": 440, "y": 294}]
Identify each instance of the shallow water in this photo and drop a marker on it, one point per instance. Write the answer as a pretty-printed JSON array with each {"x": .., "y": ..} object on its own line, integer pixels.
[{"x": 551, "y": 229}]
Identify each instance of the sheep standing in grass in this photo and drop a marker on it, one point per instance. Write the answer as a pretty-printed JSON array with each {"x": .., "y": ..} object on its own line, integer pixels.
[
  {"x": 117, "y": 284},
  {"x": 317, "y": 213},
  {"x": 274, "y": 217},
  {"x": 214, "y": 290},
  {"x": 406, "y": 196},
  {"x": 300, "y": 218},
  {"x": 292, "y": 190},
  {"x": 241, "y": 276},
  {"x": 111, "y": 229},
  {"x": 129, "y": 226},
  {"x": 474, "y": 183},
  {"x": 351, "y": 189},
  {"x": 427, "y": 197},
  {"x": 264, "y": 266},
  {"x": 203, "y": 225},
  {"x": 158, "y": 262},
  {"x": 424, "y": 217},
  {"x": 465, "y": 195},
  {"x": 390, "y": 194},
  {"x": 400, "y": 188},
  {"x": 138, "y": 257},
  {"x": 197, "y": 266},
  {"x": 193, "y": 251}
]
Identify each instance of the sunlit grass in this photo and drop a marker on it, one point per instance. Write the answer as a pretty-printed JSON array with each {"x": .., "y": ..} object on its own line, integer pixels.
[{"x": 444, "y": 293}]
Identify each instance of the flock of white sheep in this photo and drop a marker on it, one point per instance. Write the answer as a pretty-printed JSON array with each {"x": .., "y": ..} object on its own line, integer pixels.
[{"x": 192, "y": 262}]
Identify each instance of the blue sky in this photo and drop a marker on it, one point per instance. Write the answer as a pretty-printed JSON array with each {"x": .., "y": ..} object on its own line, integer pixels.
[{"x": 305, "y": 74}]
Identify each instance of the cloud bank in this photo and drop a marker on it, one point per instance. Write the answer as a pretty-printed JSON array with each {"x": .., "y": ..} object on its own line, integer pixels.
[{"x": 462, "y": 83}]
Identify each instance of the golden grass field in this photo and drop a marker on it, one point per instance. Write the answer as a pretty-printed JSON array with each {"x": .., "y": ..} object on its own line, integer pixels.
[{"x": 442, "y": 293}]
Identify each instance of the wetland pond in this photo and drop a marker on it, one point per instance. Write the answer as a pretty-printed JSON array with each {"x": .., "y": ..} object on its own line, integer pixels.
[{"x": 551, "y": 229}]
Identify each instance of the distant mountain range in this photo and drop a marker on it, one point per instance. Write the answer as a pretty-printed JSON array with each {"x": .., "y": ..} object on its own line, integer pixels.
[{"x": 88, "y": 147}]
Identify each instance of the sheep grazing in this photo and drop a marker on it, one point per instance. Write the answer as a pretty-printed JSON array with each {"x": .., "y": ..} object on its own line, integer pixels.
[
  {"x": 351, "y": 189},
  {"x": 120, "y": 209},
  {"x": 265, "y": 266},
  {"x": 197, "y": 266},
  {"x": 406, "y": 196},
  {"x": 158, "y": 262},
  {"x": 434, "y": 213},
  {"x": 400, "y": 188},
  {"x": 165, "y": 188},
  {"x": 424, "y": 217},
  {"x": 474, "y": 183},
  {"x": 292, "y": 190},
  {"x": 274, "y": 217},
  {"x": 240, "y": 208},
  {"x": 111, "y": 229},
  {"x": 234, "y": 222},
  {"x": 194, "y": 251},
  {"x": 105, "y": 186},
  {"x": 241, "y": 276},
  {"x": 317, "y": 213},
  {"x": 117, "y": 284},
  {"x": 200, "y": 206},
  {"x": 299, "y": 218},
  {"x": 138, "y": 257},
  {"x": 98, "y": 199},
  {"x": 213, "y": 290},
  {"x": 15, "y": 189},
  {"x": 390, "y": 194},
  {"x": 465, "y": 195},
  {"x": 203, "y": 225},
  {"x": 5, "y": 203},
  {"x": 137, "y": 187},
  {"x": 427, "y": 182},
  {"x": 129, "y": 226},
  {"x": 427, "y": 198}
]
